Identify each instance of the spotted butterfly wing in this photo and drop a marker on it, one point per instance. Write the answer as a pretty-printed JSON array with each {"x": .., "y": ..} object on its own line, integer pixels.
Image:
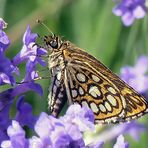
[{"x": 80, "y": 78}]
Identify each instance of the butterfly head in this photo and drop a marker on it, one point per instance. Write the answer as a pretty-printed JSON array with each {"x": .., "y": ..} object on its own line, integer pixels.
[{"x": 53, "y": 42}]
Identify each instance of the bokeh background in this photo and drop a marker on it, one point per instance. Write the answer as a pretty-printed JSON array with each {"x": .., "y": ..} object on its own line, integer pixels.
[{"x": 89, "y": 24}]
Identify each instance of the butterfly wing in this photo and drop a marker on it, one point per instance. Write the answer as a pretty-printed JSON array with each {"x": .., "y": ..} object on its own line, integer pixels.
[{"x": 90, "y": 83}]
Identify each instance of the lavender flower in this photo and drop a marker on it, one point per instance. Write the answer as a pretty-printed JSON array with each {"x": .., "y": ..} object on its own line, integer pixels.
[
  {"x": 56, "y": 133},
  {"x": 120, "y": 143},
  {"x": 6, "y": 70},
  {"x": 6, "y": 100},
  {"x": 129, "y": 10},
  {"x": 83, "y": 121},
  {"x": 30, "y": 53},
  {"x": 63, "y": 133},
  {"x": 6, "y": 67},
  {"x": 24, "y": 119},
  {"x": 133, "y": 129},
  {"x": 51, "y": 132},
  {"x": 3, "y": 24},
  {"x": 136, "y": 76},
  {"x": 5, "y": 104},
  {"x": 17, "y": 137},
  {"x": 29, "y": 49},
  {"x": 4, "y": 40}
]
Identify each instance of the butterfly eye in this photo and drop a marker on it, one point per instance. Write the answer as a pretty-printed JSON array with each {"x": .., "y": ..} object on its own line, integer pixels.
[{"x": 54, "y": 44}]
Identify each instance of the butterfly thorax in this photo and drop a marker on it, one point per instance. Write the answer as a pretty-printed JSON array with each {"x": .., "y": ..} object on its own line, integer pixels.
[{"x": 57, "y": 60}]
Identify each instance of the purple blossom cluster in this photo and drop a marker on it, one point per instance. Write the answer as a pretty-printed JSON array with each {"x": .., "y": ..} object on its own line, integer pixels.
[
  {"x": 9, "y": 67},
  {"x": 137, "y": 76},
  {"x": 65, "y": 132},
  {"x": 50, "y": 132},
  {"x": 129, "y": 10}
]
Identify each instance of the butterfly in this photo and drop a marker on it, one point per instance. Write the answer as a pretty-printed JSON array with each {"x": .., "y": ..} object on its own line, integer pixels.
[{"x": 78, "y": 77}]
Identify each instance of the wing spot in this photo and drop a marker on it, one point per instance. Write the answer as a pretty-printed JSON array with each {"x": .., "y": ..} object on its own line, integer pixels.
[
  {"x": 84, "y": 103},
  {"x": 102, "y": 108},
  {"x": 140, "y": 114},
  {"x": 123, "y": 101},
  {"x": 122, "y": 114},
  {"x": 134, "y": 117},
  {"x": 81, "y": 91},
  {"x": 137, "y": 100},
  {"x": 81, "y": 77},
  {"x": 94, "y": 91},
  {"x": 74, "y": 93},
  {"x": 112, "y": 100},
  {"x": 112, "y": 90},
  {"x": 108, "y": 107},
  {"x": 95, "y": 78},
  {"x": 94, "y": 107}
]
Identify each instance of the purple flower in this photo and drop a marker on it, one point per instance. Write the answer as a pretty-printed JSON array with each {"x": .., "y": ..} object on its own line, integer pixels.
[
  {"x": 133, "y": 129},
  {"x": 121, "y": 143},
  {"x": 3, "y": 24},
  {"x": 30, "y": 51},
  {"x": 136, "y": 76},
  {"x": 28, "y": 86},
  {"x": 21, "y": 116},
  {"x": 5, "y": 104},
  {"x": 83, "y": 117},
  {"x": 66, "y": 131},
  {"x": 31, "y": 72},
  {"x": 43, "y": 127},
  {"x": 6, "y": 67},
  {"x": 62, "y": 132},
  {"x": 129, "y": 10},
  {"x": 98, "y": 144},
  {"x": 30, "y": 54},
  {"x": 39, "y": 143},
  {"x": 7, "y": 70},
  {"x": 67, "y": 135},
  {"x": 17, "y": 137},
  {"x": 4, "y": 40},
  {"x": 51, "y": 132},
  {"x": 6, "y": 100}
]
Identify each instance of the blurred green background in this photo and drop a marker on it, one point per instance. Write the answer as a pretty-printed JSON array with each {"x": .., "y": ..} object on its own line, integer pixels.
[{"x": 89, "y": 24}]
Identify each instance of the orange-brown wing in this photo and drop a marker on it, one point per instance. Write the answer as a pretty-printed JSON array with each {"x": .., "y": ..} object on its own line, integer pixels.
[{"x": 92, "y": 84}]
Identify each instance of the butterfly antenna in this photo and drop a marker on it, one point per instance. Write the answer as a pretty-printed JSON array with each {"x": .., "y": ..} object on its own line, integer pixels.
[{"x": 40, "y": 22}]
